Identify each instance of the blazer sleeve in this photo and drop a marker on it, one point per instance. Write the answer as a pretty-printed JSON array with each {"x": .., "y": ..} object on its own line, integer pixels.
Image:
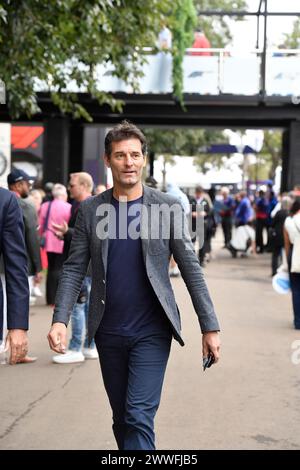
[
  {"x": 192, "y": 274},
  {"x": 74, "y": 270},
  {"x": 15, "y": 264}
]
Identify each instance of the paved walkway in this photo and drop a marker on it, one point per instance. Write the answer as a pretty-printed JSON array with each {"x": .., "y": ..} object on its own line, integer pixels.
[{"x": 251, "y": 400}]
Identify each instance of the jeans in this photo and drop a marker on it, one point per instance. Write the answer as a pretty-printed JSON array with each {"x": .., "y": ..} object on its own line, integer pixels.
[
  {"x": 55, "y": 263},
  {"x": 79, "y": 320},
  {"x": 276, "y": 257},
  {"x": 227, "y": 229},
  {"x": 295, "y": 287},
  {"x": 133, "y": 370}
]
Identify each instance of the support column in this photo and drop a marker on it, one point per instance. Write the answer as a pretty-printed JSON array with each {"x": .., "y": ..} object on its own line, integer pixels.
[
  {"x": 285, "y": 160},
  {"x": 76, "y": 147},
  {"x": 151, "y": 163},
  {"x": 93, "y": 150},
  {"x": 291, "y": 157},
  {"x": 56, "y": 150}
]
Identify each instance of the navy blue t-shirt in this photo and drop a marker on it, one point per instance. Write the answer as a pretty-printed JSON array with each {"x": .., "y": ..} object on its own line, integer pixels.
[{"x": 131, "y": 305}]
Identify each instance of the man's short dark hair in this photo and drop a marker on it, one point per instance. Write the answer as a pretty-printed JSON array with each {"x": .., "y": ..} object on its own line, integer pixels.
[{"x": 124, "y": 131}]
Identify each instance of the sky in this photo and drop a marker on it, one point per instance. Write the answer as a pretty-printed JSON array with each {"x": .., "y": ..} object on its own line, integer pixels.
[{"x": 244, "y": 32}]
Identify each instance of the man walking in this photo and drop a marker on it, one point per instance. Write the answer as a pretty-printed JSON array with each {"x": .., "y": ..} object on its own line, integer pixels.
[
  {"x": 12, "y": 248},
  {"x": 133, "y": 313}
]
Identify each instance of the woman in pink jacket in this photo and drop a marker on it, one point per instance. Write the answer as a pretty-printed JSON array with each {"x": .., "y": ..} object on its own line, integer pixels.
[{"x": 57, "y": 211}]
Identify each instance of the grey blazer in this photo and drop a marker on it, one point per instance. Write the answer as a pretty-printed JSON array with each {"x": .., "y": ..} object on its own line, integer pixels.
[{"x": 88, "y": 244}]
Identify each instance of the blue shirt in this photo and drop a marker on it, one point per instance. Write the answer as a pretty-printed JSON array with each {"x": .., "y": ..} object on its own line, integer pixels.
[
  {"x": 131, "y": 304},
  {"x": 244, "y": 211}
]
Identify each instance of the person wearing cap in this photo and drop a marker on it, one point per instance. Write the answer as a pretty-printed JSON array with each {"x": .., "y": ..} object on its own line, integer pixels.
[
  {"x": 15, "y": 288},
  {"x": 19, "y": 182}
]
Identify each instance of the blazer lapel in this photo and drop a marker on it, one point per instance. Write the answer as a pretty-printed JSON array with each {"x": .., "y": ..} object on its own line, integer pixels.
[
  {"x": 145, "y": 221},
  {"x": 104, "y": 198}
]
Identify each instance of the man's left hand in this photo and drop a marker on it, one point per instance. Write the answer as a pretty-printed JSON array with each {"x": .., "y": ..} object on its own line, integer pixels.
[{"x": 211, "y": 344}]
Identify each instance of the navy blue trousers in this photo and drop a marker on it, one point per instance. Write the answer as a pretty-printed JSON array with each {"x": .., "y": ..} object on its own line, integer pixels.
[
  {"x": 133, "y": 370},
  {"x": 295, "y": 287}
]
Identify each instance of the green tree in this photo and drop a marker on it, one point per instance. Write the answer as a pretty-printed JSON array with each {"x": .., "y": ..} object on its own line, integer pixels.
[
  {"x": 184, "y": 142},
  {"x": 182, "y": 22},
  {"x": 271, "y": 154},
  {"x": 216, "y": 28},
  {"x": 292, "y": 41},
  {"x": 59, "y": 41}
]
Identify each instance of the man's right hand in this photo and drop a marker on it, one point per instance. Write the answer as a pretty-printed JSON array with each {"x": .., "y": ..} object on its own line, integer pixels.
[
  {"x": 17, "y": 341},
  {"x": 57, "y": 338}
]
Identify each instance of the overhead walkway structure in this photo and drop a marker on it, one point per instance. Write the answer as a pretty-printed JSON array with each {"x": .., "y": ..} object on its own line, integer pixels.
[{"x": 229, "y": 88}]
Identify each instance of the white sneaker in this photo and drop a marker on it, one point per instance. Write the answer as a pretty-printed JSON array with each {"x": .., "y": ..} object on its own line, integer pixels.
[
  {"x": 69, "y": 357},
  {"x": 174, "y": 272},
  {"x": 90, "y": 353}
]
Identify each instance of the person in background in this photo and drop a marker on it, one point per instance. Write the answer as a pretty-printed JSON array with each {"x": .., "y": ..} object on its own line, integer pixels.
[
  {"x": 163, "y": 61},
  {"x": 296, "y": 190},
  {"x": 80, "y": 185},
  {"x": 226, "y": 214},
  {"x": 203, "y": 200},
  {"x": 244, "y": 212},
  {"x": 176, "y": 192},
  {"x": 243, "y": 241},
  {"x": 55, "y": 211},
  {"x": 276, "y": 238},
  {"x": 16, "y": 295},
  {"x": 100, "y": 188},
  {"x": 20, "y": 183},
  {"x": 261, "y": 213},
  {"x": 200, "y": 42},
  {"x": 36, "y": 198},
  {"x": 151, "y": 182},
  {"x": 48, "y": 191},
  {"x": 291, "y": 237}
]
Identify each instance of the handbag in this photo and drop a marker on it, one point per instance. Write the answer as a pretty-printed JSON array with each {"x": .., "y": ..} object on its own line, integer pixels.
[
  {"x": 45, "y": 227},
  {"x": 295, "y": 265}
]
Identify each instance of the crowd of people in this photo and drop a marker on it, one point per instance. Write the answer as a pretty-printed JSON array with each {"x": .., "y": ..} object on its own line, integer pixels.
[
  {"x": 251, "y": 225},
  {"x": 49, "y": 217}
]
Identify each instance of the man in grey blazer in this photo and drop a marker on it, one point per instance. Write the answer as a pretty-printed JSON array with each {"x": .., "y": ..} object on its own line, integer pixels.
[{"x": 129, "y": 233}]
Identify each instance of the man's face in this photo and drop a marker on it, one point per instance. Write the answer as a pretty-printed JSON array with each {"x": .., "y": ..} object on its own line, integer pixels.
[
  {"x": 126, "y": 162},
  {"x": 76, "y": 189},
  {"x": 23, "y": 188}
]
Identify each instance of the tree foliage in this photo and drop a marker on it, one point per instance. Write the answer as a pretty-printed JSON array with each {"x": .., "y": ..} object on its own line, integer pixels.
[
  {"x": 185, "y": 142},
  {"x": 216, "y": 28},
  {"x": 48, "y": 40},
  {"x": 292, "y": 40},
  {"x": 271, "y": 153},
  {"x": 182, "y": 22}
]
